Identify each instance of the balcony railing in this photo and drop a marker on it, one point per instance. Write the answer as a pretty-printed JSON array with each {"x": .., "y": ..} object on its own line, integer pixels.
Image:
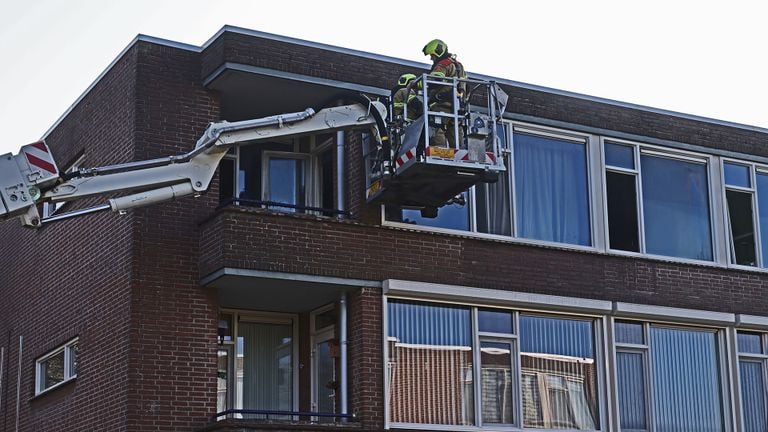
[{"x": 273, "y": 415}]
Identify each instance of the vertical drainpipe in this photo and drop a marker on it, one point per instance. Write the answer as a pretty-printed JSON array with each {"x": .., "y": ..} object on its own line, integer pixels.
[
  {"x": 340, "y": 172},
  {"x": 18, "y": 382},
  {"x": 343, "y": 353}
]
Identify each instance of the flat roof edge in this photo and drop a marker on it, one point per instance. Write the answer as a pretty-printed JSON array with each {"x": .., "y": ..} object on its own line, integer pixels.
[
  {"x": 544, "y": 89},
  {"x": 134, "y": 41}
]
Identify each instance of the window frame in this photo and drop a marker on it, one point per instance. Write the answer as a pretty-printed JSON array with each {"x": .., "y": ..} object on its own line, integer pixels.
[
  {"x": 261, "y": 317},
  {"x": 312, "y": 170},
  {"x": 739, "y": 356},
  {"x": 723, "y": 346},
  {"x": 640, "y": 149},
  {"x": 592, "y": 163},
  {"x": 754, "y": 170},
  {"x": 69, "y": 375},
  {"x": 600, "y": 343}
]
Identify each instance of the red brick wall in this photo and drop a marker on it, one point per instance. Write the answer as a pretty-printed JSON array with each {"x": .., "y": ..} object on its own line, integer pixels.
[
  {"x": 172, "y": 375},
  {"x": 278, "y": 242},
  {"x": 72, "y": 278},
  {"x": 366, "y": 383}
]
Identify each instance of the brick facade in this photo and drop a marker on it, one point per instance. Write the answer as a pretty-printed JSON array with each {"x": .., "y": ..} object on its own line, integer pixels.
[{"x": 129, "y": 286}]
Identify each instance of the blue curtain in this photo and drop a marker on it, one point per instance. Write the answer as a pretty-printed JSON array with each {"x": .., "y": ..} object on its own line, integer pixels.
[
  {"x": 686, "y": 381},
  {"x": 551, "y": 190},
  {"x": 753, "y": 396},
  {"x": 430, "y": 324},
  {"x": 631, "y": 380},
  {"x": 558, "y": 336},
  {"x": 676, "y": 208}
]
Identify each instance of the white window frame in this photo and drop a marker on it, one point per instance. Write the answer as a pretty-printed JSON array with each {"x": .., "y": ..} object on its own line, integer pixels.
[
  {"x": 723, "y": 346},
  {"x": 592, "y": 161},
  {"x": 761, "y": 358},
  {"x": 640, "y": 149},
  {"x": 266, "y": 318},
  {"x": 754, "y": 169},
  {"x": 309, "y": 180},
  {"x": 69, "y": 374},
  {"x": 312, "y": 169},
  {"x": 599, "y": 342}
]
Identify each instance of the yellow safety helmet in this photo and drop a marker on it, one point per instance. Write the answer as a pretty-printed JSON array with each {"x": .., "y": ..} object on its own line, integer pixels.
[
  {"x": 435, "y": 47},
  {"x": 405, "y": 79}
]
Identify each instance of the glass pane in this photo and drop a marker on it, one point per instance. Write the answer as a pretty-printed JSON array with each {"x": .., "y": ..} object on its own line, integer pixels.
[
  {"x": 53, "y": 370},
  {"x": 619, "y": 156},
  {"x": 557, "y": 360},
  {"x": 287, "y": 182},
  {"x": 249, "y": 175},
  {"x": 454, "y": 216},
  {"x": 753, "y": 393},
  {"x": 226, "y": 180},
  {"x": 267, "y": 366},
  {"x": 326, "y": 381},
  {"x": 430, "y": 369},
  {"x": 750, "y": 343},
  {"x": 622, "y": 211},
  {"x": 494, "y": 321},
  {"x": 552, "y": 199},
  {"x": 222, "y": 378},
  {"x": 762, "y": 197},
  {"x": 631, "y": 382},
  {"x": 737, "y": 175},
  {"x": 686, "y": 381},
  {"x": 496, "y": 376},
  {"x": 742, "y": 245},
  {"x": 676, "y": 208},
  {"x": 629, "y": 332},
  {"x": 494, "y": 211}
]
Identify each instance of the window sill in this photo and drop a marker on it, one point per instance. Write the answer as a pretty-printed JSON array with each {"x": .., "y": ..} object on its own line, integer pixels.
[{"x": 53, "y": 388}]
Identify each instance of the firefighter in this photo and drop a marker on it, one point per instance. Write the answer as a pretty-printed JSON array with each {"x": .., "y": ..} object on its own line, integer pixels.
[
  {"x": 403, "y": 95},
  {"x": 444, "y": 65}
]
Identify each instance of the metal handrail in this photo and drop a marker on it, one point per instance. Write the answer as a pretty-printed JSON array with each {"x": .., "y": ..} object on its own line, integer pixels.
[
  {"x": 270, "y": 204},
  {"x": 267, "y": 413}
]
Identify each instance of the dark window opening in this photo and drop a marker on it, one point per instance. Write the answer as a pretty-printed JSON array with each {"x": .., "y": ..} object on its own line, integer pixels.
[
  {"x": 742, "y": 227},
  {"x": 623, "y": 228}
]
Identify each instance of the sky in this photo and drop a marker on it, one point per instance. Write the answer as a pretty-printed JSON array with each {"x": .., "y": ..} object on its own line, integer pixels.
[{"x": 703, "y": 58}]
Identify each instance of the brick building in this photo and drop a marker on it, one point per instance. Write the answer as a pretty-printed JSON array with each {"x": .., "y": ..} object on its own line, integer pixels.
[{"x": 613, "y": 279}]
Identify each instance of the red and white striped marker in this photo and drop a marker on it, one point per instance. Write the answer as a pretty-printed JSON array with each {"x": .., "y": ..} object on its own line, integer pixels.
[{"x": 39, "y": 156}]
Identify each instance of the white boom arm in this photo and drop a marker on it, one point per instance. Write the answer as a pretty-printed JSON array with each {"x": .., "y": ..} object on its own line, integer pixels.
[{"x": 161, "y": 179}]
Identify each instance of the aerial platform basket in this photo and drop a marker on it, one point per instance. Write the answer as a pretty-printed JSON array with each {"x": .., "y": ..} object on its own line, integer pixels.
[{"x": 452, "y": 146}]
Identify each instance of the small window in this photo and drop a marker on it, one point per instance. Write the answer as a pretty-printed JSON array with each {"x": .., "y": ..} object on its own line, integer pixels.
[{"x": 56, "y": 367}]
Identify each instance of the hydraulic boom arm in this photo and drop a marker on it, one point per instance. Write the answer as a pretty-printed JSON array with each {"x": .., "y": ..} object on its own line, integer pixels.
[{"x": 29, "y": 178}]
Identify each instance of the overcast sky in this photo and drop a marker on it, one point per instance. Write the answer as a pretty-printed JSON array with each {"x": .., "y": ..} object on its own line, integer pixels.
[{"x": 696, "y": 57}]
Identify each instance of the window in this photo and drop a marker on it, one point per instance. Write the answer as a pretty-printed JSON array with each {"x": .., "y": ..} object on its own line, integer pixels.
[
  {"x": 291, "y": 175},
  {"x": 746, "y": 202},
  {"x": 753, "y": 359},
  {"x": 535, "y": 371},
  {"x": 547, "y": 181},
  {"x": 56, "y": 367},
  {"x": 668, "y": 378},
  {"x": 657, "y": 203},
  {"x": 257, "y": 368},
  {"x": 551, "y": 192}
]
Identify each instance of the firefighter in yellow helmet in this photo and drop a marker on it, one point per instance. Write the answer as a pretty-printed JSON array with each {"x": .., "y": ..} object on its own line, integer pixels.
[
  {"x": 403, "y": 95},
  {"x": 444, "y": 65}
]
